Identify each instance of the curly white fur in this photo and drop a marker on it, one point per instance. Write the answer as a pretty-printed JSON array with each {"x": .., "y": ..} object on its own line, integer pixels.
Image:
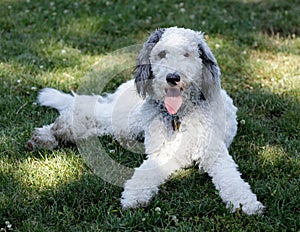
[{"x": 205, "y": 123}]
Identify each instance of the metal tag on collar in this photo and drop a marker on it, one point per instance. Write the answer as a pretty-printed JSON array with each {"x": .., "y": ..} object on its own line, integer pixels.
[{"x": 175, "y": 122}]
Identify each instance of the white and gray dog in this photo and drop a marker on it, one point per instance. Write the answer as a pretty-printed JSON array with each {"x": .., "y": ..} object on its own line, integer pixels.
[{"x": 177, "y": 103}]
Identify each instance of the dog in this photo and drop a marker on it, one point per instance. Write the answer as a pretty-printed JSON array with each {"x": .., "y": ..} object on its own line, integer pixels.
[{"x": 175, "y": 101}]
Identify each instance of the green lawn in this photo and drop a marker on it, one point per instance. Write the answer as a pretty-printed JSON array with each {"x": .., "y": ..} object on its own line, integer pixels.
[{"x": 55, "y": 43}]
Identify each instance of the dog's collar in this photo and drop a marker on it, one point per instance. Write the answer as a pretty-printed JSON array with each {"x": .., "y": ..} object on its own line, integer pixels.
[{"x": 174, "y": 121}]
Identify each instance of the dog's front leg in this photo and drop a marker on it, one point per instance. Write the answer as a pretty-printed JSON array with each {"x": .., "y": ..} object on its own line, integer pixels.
[
  {"x": 234, "y": 191},
  {"x": 144, "y": 183}
]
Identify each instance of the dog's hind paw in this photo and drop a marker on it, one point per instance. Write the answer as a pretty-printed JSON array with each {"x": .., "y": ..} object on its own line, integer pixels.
[
  {"x": 42, "y": 138},
  {"x": 35, "y": 144},
  {"x": 30, "y": 145}
]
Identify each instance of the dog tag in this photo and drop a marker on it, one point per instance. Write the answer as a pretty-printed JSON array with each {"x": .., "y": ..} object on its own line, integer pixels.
[{"x": 176, "y": 123}]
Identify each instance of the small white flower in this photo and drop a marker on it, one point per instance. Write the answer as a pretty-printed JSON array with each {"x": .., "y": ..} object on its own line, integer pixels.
[
  {"x": 157, "y": 209},
  {"x": 148, "y": 20},
  {"x": 41, "y": 66},
  {"x": 33, "y": 88},
  {"x": 63, "y": 51},
  {"x": 242, "y": 122},
  {"x": 9, "y": 7},
  {"x": 192, "y": 17},
  {"x": 52, "y": 3},
  {"x": 64, "y": 59},
  {"x": 143, "y": 219},
  {"x": 217, "y": 45},
  {"x": 19, "y": 81},
  {"x": 182, "y": 10},
  {"x": 66, "y": 11},
  {"x": 174, "y": 218},
  {"x": 8, "y": 225}
]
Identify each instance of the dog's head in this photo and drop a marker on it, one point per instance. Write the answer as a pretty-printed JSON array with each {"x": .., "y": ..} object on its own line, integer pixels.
[{"x": 172, "y": 63}]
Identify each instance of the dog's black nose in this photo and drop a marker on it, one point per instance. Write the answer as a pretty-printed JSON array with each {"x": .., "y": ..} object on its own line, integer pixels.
[{"x": 173, "y": 78}]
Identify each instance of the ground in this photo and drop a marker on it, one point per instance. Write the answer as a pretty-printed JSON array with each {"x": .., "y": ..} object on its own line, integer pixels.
[{"x": 55, "y": 43}]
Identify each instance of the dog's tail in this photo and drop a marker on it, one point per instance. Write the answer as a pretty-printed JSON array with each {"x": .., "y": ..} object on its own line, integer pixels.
[{"x": 55, "y": 99}]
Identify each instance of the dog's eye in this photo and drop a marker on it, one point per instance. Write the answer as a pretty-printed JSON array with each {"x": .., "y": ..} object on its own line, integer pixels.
[
  {"x": 186, "y": 54},
  {"x": 162, "y": 54}
]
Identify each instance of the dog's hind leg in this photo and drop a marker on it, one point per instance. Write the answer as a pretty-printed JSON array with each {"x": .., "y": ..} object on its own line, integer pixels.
[
  {"x": 60, "y": 132},
  {"x": 76, "y": 120},
  {"x": 84, "y": 116}
]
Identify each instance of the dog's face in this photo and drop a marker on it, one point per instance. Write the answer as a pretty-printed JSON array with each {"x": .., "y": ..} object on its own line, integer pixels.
[{"x": 173, "y": 63}]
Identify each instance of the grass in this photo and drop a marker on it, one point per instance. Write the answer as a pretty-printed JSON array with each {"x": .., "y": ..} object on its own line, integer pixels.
[{"x": 55, "y": 43}]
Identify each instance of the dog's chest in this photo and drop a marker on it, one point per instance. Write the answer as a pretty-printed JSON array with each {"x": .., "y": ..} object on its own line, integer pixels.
[
  {"x": 188, "y": 140},
  {"x": 186, "y": 143}
]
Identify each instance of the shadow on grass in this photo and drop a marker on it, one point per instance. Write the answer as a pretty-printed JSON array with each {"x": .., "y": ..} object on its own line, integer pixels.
[{"x": 95, "y": 27}]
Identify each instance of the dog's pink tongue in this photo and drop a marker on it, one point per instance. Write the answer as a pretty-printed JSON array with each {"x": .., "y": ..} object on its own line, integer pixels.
[{"x": 173, "y": 100}]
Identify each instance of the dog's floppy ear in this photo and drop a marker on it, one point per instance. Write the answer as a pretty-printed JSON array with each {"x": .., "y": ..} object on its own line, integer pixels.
[
  {"x": 209, "y": 61},
  {"x": 143, "y": 72}
]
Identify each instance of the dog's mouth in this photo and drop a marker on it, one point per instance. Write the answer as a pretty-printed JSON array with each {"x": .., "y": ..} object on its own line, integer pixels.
[{"x": 173, "y": 99}]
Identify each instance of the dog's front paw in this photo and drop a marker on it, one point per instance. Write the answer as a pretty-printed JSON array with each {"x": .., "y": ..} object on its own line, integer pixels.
[
  {"x": 253, "y": 208},
  {"x": 133, "y": 198}
]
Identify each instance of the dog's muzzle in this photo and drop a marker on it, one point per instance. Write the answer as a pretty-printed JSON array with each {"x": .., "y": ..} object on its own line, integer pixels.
[
  {"x": 173, "y": 79},
  {"x": 173, "y": 98}
]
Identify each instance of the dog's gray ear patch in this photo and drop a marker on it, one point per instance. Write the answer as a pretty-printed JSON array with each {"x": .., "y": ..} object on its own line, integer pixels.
[
  {"x": 209, "y": 61},
  {"x": 143, "y": 72},
  {"x": 156, "y": 35}
]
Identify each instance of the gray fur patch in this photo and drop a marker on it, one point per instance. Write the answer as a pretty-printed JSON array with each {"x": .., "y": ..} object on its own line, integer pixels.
[
  {"x": 143, "y": 72},
  {"x": 209, "y": 61}
]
